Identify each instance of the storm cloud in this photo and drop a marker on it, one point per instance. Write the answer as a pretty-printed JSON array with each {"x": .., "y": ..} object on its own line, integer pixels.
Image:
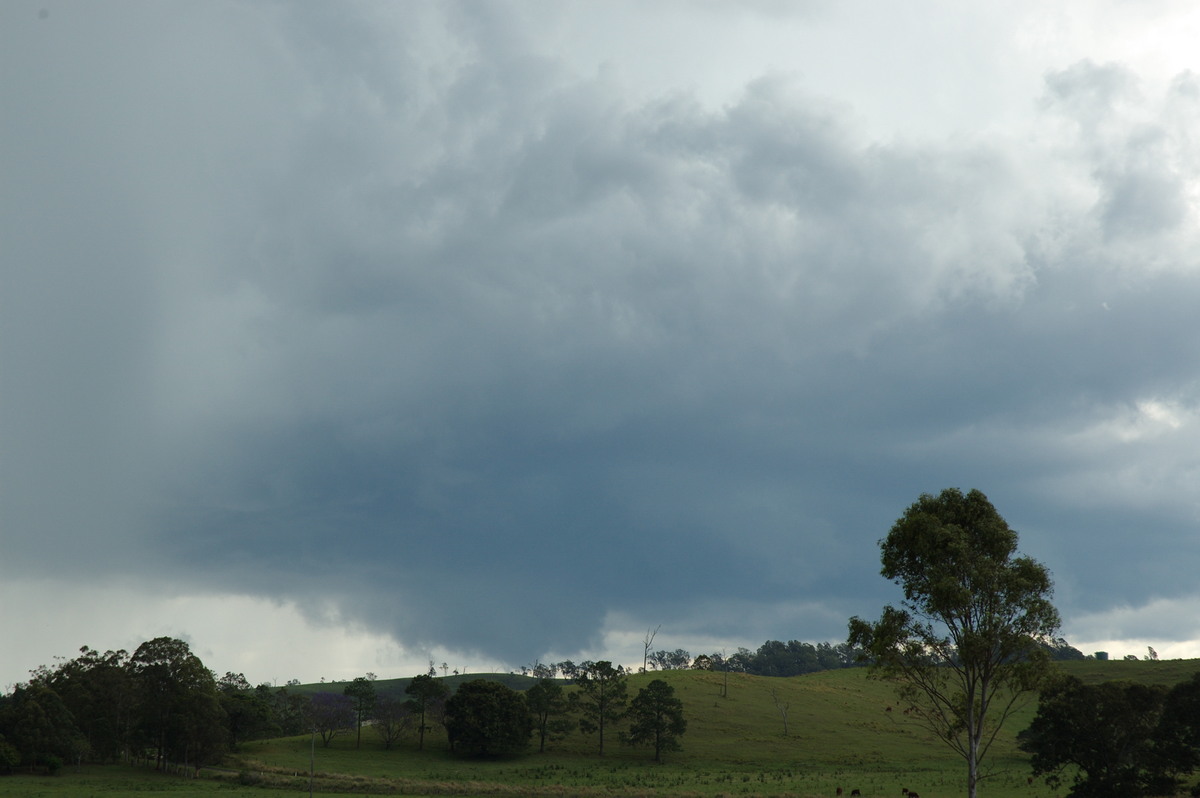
[{"x": 405, "y": 317}]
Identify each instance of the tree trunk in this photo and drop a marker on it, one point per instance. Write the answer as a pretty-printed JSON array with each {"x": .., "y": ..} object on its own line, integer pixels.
[{"x": 972, "y": 764}]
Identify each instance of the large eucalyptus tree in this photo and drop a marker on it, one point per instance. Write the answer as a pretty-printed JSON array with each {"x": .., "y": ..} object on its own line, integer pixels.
[{"x": 966, "y": 646}]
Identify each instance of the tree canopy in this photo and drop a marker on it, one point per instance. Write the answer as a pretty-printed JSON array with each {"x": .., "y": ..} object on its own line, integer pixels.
[
  {"x": 1115, "y": 738},
  {"x": 601, "y": 698},
  {"x": 548, "y": 705},
  {"x": 40, "y": 727},
  {"x": 178, "y": 711},
  {"x": 427, "y": 692},
  {"x": 656, "y": 718},
  {"x": 362, "y": 692},
  {"x": 486, "y": 718},
  {"x": 1105, "y": 731}
]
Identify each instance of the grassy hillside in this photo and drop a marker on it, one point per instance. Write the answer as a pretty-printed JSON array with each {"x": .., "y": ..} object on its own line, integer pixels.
[
  {"x": 1168, "y": 672},
  {"x": 840, "y": 733}
]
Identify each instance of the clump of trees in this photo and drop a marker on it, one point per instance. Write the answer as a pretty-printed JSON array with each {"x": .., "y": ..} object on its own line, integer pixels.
[
  {"x": 1115, "y": 738},
  {"x": 160, "y": 703},
  {"x": 36, "y": 730},
  {"x": 485, "y": 718},
  {"x": 161, "y": 706}
]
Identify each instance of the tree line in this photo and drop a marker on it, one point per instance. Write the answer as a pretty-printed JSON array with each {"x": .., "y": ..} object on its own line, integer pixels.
[
  {"x": 772, "y": 658},
  {"x": 161, "y": 706}
]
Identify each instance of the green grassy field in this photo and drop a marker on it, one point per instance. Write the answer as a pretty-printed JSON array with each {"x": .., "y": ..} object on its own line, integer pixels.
[
  {"x": 119, "y": 781},
  {"x": 840, "y": 734}
]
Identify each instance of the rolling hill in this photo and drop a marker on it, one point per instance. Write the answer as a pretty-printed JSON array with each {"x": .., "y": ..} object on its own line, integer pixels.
[{"x": 843, "y": 730}]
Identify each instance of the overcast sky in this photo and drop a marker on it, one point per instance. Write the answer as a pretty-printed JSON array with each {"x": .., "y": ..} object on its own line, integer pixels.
[{"x": 340, "y": 337}]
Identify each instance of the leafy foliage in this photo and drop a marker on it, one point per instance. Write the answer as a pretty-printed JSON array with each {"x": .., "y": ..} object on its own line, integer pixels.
[
  {"x": 177, "y": 710},
  {"x": 1178, "y": 735},
  {"x": 41, "y": 729},
  {"x": 362, "y": 692},
  {"x": 1107, "y": 732},
  {"x": 10, "y": 757},
  {"x": 772, "y": 658},
  {"x": 968, "y": 642},
  {"x": 793, "y": 658},
  {"x": 601, "y": 698},
  {"x": 427, "y": 694},
  {"x": 97, "y": 689},
  {"x": 248, "y": 711},
  {"x": 485, "y": 718},
  {"x": 664, "y": 660},
  {"x": 548, "y": 704},
  {"x": 656, "y": 718}
]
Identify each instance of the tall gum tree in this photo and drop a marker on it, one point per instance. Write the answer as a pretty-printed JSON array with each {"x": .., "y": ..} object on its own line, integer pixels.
[
  {"x": 426, "y": 692},
  {"x": 601, "y": 698},
  {"x": 966, "y": 646},
  {"x": 362, "y": 692}
]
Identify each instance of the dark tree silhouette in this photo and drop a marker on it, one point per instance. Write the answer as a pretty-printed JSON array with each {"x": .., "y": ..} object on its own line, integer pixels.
[
  {"x": 485, "y": 718},
  {"x": 601, "y": 698},
  {"x": 656, "y": 718},
  {"x": 426, "y": 692}
]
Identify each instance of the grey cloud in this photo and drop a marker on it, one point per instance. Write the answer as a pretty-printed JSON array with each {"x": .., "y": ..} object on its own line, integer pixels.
[
  {"x": 1140, "y": 147},
  {"x": 449, "y": 336}
]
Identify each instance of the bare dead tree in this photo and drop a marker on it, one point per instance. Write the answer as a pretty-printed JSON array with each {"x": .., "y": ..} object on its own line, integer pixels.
[
  {"x": 648, "y": 641},
  {"x": 783, "y": 707}
]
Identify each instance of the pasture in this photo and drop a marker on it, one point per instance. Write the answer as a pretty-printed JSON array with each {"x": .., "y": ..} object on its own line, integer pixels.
[{"x": 840, "y": 733}]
